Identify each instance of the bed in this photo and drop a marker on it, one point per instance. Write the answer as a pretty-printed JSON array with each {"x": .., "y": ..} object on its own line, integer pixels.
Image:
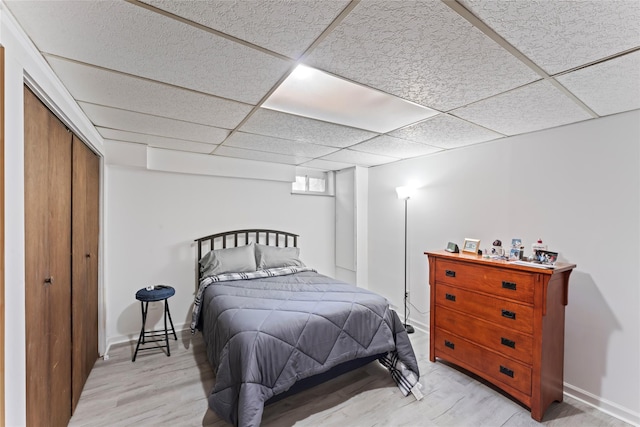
[{"x": 272, "y": 326}]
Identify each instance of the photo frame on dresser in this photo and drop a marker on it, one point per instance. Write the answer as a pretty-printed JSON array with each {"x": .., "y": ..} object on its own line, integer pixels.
[{"x": 471, "y": 246}]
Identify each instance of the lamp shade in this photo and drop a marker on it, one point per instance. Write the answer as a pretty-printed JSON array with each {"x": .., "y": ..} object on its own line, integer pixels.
[{"x": 405, "y": 192}]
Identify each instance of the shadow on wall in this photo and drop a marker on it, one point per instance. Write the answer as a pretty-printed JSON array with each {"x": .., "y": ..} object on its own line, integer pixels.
[
  {"x": 132, "y": 315},
  {"x": 589, "y": 324},
  {"x": 179, "y": 274}
]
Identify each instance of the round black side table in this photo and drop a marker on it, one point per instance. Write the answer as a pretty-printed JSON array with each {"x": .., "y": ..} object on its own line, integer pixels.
[{"x": 145, "y": 296}]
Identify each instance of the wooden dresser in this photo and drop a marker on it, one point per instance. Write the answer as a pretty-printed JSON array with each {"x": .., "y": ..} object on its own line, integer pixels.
[{"x": 501, "y": 321}]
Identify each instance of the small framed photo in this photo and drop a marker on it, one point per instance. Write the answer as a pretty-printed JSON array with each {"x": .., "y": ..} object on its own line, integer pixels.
[
  {"x": 545, "y": 257},
  {"x": 516, "y": 243},
  {"x": 471, "y": 246},
  {"x": 515, "y": 254}
]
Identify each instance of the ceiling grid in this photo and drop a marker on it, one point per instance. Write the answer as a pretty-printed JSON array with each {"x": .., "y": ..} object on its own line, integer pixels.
[{"x": 197, "y": 76}]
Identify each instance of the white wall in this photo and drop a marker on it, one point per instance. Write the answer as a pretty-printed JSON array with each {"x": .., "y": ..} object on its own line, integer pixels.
[
  {"x": 24, "y": 63},
  {"x": 578, "y": 188},
  {"x": 153, "y": 217}
]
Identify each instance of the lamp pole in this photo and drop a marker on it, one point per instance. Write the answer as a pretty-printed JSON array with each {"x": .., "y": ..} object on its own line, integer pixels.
[{"x": 407, "y": 327}]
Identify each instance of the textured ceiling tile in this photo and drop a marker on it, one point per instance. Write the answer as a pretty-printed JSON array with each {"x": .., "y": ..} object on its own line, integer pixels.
[
  {"x": 562, "y": 34},
  {"x": 285, "y": 27},
  {"x": 445, "y": 131},
  {"x": 261, "y": 156},
  {"x": 394, "y": 147},
  {"x": 152, "y": 125},
  {"x": 128, "y": 38},
  {"x": 609, "y": 87},
  {"x": 358, "y": 158},
  {"x": 288, "y": 126},
  {"x": 533, "y": 107},
  {"x": 326, "y": 165},
  {"x": 317, "y": 95},
  {"x": 155, "y": 141},
  {"x": 419, "y": 50},
  {"x": 113, "y": 89},
  {"x": 276, "y": 145}
]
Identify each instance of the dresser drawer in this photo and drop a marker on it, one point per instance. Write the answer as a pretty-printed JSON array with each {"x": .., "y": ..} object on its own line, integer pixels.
[
  {"x": 495, "y": 281},
  {"x": 489, "y": 365},
  {"x": 501, "y": 340},
  {"x": 502, "y": 312}
]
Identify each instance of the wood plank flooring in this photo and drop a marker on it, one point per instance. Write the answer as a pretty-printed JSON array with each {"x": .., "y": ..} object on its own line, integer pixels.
[{"x": 158, "y": 390}]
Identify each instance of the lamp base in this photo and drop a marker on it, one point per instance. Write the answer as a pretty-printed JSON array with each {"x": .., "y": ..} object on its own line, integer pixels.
[{"x": 409, "y": 328}]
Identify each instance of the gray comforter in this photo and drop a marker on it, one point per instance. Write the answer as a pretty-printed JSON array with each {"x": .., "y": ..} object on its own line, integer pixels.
[{"x": 263, "y": 335}]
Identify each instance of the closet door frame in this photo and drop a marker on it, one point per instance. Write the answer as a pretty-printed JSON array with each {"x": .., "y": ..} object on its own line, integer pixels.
[{"x": 2, "y": 320}]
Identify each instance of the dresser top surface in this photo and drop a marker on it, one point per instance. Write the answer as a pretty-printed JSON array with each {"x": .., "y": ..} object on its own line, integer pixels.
[{"x": 479, "y": 260}]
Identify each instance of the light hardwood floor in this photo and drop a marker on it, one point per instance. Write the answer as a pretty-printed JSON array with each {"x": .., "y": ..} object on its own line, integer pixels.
[{"x": 158, "y": 390}]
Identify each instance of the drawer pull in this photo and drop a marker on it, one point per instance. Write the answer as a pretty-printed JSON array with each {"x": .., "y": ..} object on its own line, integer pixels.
[
  {"x": 509, "y": 314},
  {"x": 509, "y": 285},
  {"x": 508, "y": 372},
  {"x": 449, "y": 344},
  {"x": 507, "y": 342},
  {"x": 450, "y": 273},
  {"x": 450, "y": 297}
]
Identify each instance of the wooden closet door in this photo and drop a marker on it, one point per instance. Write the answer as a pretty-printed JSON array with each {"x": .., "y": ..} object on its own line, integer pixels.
[
  {"x": 85, "y": 220},
  {"x": 47, "y": 265}
]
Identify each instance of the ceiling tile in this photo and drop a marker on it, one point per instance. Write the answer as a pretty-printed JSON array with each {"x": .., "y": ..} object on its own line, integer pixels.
[
  {"x": 358, "y": 158},
  {"x": 282, "y": 26},
  {"x": 288, "y": 126},
  {"x": 318, "y": 95},
  {"x": 609, "y": 87},
  {"x": 326, "y": 165},
  {"x": 446, "y": 131},
  {"x": 276, "y": 145},
  {"x": 385, "y": 145},
  {"x": 155, "y": 141},
  {"x": 112, "y": 89},
  {"x": 421, "y": 51},
  {"x": 241, "y": 153},
  {"x": 562, "y": 34},
  {"x": 122, "y": 36},
  {"x": 152, "y": 125},
  {"x": 527, "y": 109}
]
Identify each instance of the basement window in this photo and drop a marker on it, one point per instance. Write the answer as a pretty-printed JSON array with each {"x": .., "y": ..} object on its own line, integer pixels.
[{"x": 311, "y": 184}]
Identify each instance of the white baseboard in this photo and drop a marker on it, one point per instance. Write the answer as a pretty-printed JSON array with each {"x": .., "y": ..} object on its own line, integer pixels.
[
  {"x": 610, "y": 408},
  {"x": 128, "y": 339},
  {"x": 419, "y": 325}
]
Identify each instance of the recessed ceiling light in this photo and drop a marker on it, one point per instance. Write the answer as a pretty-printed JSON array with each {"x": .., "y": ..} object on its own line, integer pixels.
[{"x": 318, "y": 95}]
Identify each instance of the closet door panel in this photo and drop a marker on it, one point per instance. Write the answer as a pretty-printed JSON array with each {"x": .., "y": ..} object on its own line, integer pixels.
[
  {"x": 59, "y": 298},
  {"x": 93, "y": 238},
  {"x": 36, "y": 154},
  {"x": 84, "y": 264},
  {"x": 48, "y": 270}
]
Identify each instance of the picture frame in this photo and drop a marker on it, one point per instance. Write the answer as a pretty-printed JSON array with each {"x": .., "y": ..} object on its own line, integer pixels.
[
  {"x": 471, "y": 246},
  {"x": 545, "y": 257},
  {"x": 452, "y": 247}
]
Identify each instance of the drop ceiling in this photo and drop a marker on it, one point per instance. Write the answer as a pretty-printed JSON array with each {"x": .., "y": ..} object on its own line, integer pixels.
[{"x": 208, "y": 76}]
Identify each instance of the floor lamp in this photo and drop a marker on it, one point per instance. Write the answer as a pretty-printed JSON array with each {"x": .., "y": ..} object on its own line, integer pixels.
[{"x": 405, "y": 193}]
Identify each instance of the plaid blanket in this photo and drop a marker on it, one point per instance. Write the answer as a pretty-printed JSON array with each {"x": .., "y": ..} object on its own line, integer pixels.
[{"x": 209, "y": 280}]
